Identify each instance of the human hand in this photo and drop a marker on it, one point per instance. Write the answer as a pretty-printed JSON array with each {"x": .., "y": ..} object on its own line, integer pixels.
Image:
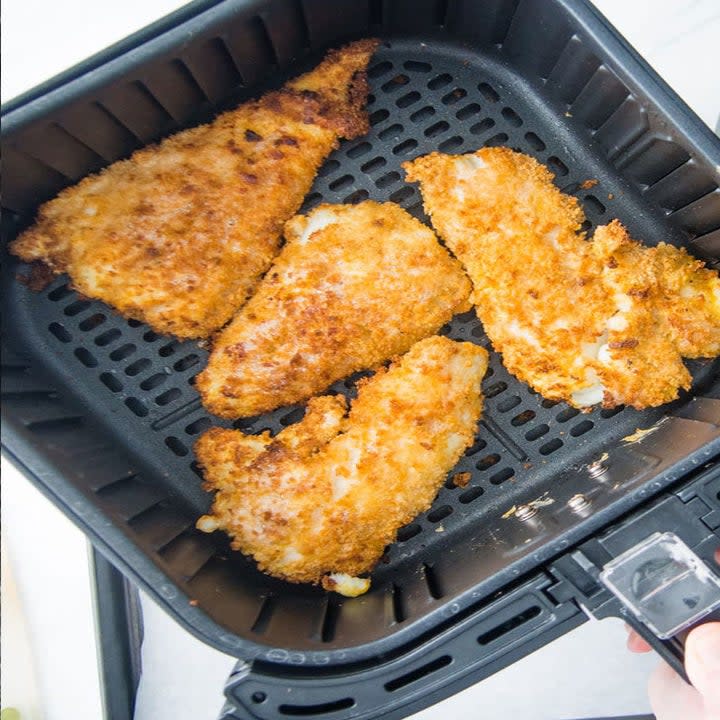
[{"x": 671, "y": 698}]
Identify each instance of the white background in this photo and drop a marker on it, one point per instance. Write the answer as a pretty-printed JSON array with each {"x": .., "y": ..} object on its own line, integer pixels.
[{"x": 48, "y": 652}]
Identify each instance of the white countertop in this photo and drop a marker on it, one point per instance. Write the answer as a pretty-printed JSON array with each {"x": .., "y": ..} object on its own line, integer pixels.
[{"x": 48, "y": 652}]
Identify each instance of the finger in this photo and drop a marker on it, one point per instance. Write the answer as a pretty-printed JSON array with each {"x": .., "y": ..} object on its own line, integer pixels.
[
  {"x": 702, "y": 662},
  {"x": 671, "y": 698},
  {"x": 636, "y": 644}
]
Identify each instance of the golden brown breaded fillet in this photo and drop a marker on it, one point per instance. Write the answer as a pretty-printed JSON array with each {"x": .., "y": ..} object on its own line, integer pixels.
[
  {"x": 322, "y": 499},
  {"x": 353, "y": 286},
  {"x": 602, "y": 321},
  {"x": 179, "y": 234}
]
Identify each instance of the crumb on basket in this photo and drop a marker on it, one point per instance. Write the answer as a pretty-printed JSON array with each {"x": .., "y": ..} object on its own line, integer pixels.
[{"x": 461, "y": 479}]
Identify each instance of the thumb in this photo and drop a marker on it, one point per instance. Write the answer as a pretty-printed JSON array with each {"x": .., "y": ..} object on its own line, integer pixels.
[{"x": 702, "y": 663}]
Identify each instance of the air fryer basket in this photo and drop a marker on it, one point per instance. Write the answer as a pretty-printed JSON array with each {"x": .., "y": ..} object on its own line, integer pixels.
[{"x": 101, "y": 412}]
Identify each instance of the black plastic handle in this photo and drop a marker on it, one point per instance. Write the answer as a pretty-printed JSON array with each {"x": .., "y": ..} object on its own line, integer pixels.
[{"x": 672, "y": 650}]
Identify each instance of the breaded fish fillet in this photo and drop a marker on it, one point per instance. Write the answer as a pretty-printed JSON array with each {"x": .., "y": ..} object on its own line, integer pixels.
[
  {"x": 322, "y": 499},
  {"x": 353, "y": 286},
  {"x": 179, "y": 234},
  {"x": 606, "y": 320}
]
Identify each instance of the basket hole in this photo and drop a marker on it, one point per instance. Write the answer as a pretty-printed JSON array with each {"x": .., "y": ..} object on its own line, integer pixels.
[
  {"x": 356, "y": 197},
  {"x": 416, "y": 66},
  {"x": 436, "y": 128},
  {"x": 111, "y": 382},
  {"x": 137, "y": 406},
  {"x": 469, "y": 495},
  {"x": 358, "y": 150},
  {"x": 440, "y": 81},
  {"x": 418, "y": 673},
  {"x": 581, "y": 428},
  {"x": 586, "y": 225},
  {"x": 611, "y": 412},
  {"x": 534, "y": 142},
  {"x": 176, "y": 445},
  {"x": 378, "y": 116},
  {"x": 123, "y": 352},
  {"x": 197, "y": 469},
  {"x": 592, "y": 204},
  {"x": 557, "y": 166},
  {"x": 407, "y": 532},
  {"x": 511, "y": 117},
  {"x": 329, "y": 167},
  {"x": 537, "y": 432},
  {"x": 408, "y": 99},
  {"x": 478, "y": 332},
  {"x": 198, "y": 426},
  {"x": 393, "y": 130},
  {"x": 86, "y": 357},
  {"x": 452, "y": 143},
  {"x": 488, "y": 461},
  {"x": 76, "y": 307},
  {"x": 109, "y": 336},
  {"x": 405, "y": 147},
  {"x": 508, "y": 403},
  {"x": 524, "y": 417},
  {"x": 168, "y": 396},
  {"x": 258, "y": 697},
  {"x": 318, "y": 709},
  {"x": 137, "y": 367},
  {"x": 154, "y": 381},
  {"x": 439, "y": 514},
  {"x": 488, "y": 92},
  {"x": 499, "y": 139},
  {"x": 476, "y": 447},
  {"x": 380, "y": 69},
  {"x": 468, "y": 111},
  {"x": 186, "y": 362},
  {"x": 422, "y": 114},
  {"x": 92, "y": 322},
  {"x": 483, "y": 126},
  {"x": 395, "y": 83},
  {"x": 387, "y": 179},
  {"x": 549, "y": 403},
  {"x": 342, "y": 182},
  {"x": 60, "y": 292},
  {"x": 169, "y": 349},
  {"x": 550, "y": 447},
  {"x": 134, "y": 323},
  {"x": 402, "y": 194},
  {"x": 495, "y": 389},
  {"x": 502, "y": 476},
  {"x": 60, "y": 332},
  {"x": 454, "y": 96},
  {"x": 374, "y": 164},
  {"x": 313, "y": 199},
  {"x": 504, "y": 628},
  {"x": 433, "y": 582},
  {"x": 294, "y": 416},
  {"x": 567, "y": 414},
  {"x": 150, "y": 336}
]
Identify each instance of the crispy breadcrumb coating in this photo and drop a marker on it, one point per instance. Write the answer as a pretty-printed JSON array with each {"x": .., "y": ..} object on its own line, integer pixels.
[
  {"x": 353, "y": 286},
  {"x": 179, "y": 234},
  {"x": 322, "y": 499},
  {"x": 606, "y": 320}
]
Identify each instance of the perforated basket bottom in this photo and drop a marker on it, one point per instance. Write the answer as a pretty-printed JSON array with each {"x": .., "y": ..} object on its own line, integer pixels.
[{"x": 424, "y": 97}]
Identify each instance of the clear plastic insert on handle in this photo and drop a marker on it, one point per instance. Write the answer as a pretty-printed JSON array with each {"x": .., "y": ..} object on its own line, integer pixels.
[{"x": 664, "y": 583}]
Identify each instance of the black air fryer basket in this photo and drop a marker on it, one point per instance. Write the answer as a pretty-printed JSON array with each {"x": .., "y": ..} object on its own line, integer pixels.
[{"x": 101, "y": 413}]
